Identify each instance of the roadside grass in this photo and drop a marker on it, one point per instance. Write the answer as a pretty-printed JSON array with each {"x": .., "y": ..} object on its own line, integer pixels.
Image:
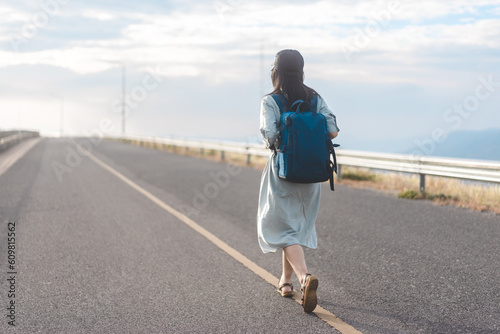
[
  {"x": 358, "y": 175},
  {"x": 442, "y": 191},
  {"x": 231, "y": 158}
]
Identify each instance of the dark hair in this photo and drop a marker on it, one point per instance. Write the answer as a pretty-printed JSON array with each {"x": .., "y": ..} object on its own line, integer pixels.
[{"x": 287, "y": 76}]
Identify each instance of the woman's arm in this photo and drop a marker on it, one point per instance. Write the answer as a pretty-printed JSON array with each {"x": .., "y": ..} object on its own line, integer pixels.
[
  {"x": 333, "y": 134},
  {"x": 269, "y": 116},
  {"x": 331, "y": 120}
]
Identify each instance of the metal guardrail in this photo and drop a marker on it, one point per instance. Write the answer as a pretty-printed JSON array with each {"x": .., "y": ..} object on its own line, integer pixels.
[
  {"x": 10, "y": 138},
  {"x": 204, "y": 145},
  {"x": 475, "y": 170}
]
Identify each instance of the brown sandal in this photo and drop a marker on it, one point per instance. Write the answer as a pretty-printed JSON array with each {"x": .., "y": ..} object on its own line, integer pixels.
[
  {"x": 285, "y": 293},
  {"x": 309, "y": 297}
]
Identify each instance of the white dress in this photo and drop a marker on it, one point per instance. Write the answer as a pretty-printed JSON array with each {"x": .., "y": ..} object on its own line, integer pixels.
[{"x": 287, "y": 211}]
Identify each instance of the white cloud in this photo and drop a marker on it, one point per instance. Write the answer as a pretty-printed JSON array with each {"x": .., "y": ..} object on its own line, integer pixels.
[
  {"x": 429, "y": 9},
  {"x": 193, "y": 41},
  {"x": 79, "y": 60},
  {"x": 98, "y": 15},
  {"x": 179, "y": 71},
  {"x": 10, "y": 15},
  {"x": 483, "y": 33},
  {"x": 495, "y": 11}
]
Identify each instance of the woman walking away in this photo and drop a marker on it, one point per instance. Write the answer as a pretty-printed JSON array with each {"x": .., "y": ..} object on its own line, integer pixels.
[{"x": 287, "y": 211}]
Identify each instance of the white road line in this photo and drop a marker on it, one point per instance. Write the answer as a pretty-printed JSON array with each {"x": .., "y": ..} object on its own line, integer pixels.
[
  {"x": 325, "y": 315},
  {"x": 17, "y": 152}
]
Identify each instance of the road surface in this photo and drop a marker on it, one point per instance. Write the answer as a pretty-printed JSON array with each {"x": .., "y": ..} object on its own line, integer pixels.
[{"x": 94, "y": 254}]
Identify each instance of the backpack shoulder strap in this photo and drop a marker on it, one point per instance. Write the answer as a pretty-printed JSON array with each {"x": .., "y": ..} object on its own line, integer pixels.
[
  {"x": 314, "y": 102},
  {"x": 333, "y": 165},
  {"x": 280, "y": 101}
]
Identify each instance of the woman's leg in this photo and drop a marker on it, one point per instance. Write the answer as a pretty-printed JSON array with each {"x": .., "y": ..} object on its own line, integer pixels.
[
  {"x": 294, "y": 256},
  {"x": 286, "y": 276}
]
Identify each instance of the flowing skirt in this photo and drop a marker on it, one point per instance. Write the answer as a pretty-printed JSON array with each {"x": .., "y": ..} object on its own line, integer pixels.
[{"x": 287, "y": 211}]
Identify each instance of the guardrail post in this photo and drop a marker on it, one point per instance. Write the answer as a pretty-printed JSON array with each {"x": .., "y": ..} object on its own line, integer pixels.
[
  {"x": 222, "y": 155},
  {"x": 202, "y": 151},
  {"x": 422, "y": 183},
  {"x": 339, "y": 172},
  {"x": 249, "y": 156}
]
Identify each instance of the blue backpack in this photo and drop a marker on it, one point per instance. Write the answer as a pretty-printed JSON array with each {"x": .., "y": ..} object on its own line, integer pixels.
[{"x": 303, "y": 154}]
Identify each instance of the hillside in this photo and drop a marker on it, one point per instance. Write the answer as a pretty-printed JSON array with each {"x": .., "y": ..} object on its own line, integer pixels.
[{"x": 484, "y": 145}]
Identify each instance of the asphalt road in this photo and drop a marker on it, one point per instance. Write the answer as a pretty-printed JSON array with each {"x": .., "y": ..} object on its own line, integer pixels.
[{"x": 93, "y": 255}]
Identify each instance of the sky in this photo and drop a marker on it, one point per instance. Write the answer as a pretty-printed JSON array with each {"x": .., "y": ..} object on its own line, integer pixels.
[{"x": 398, "y": 75}]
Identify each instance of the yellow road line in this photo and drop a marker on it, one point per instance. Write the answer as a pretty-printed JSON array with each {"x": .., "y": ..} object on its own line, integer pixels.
[{"x": 326, "y": 316}]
